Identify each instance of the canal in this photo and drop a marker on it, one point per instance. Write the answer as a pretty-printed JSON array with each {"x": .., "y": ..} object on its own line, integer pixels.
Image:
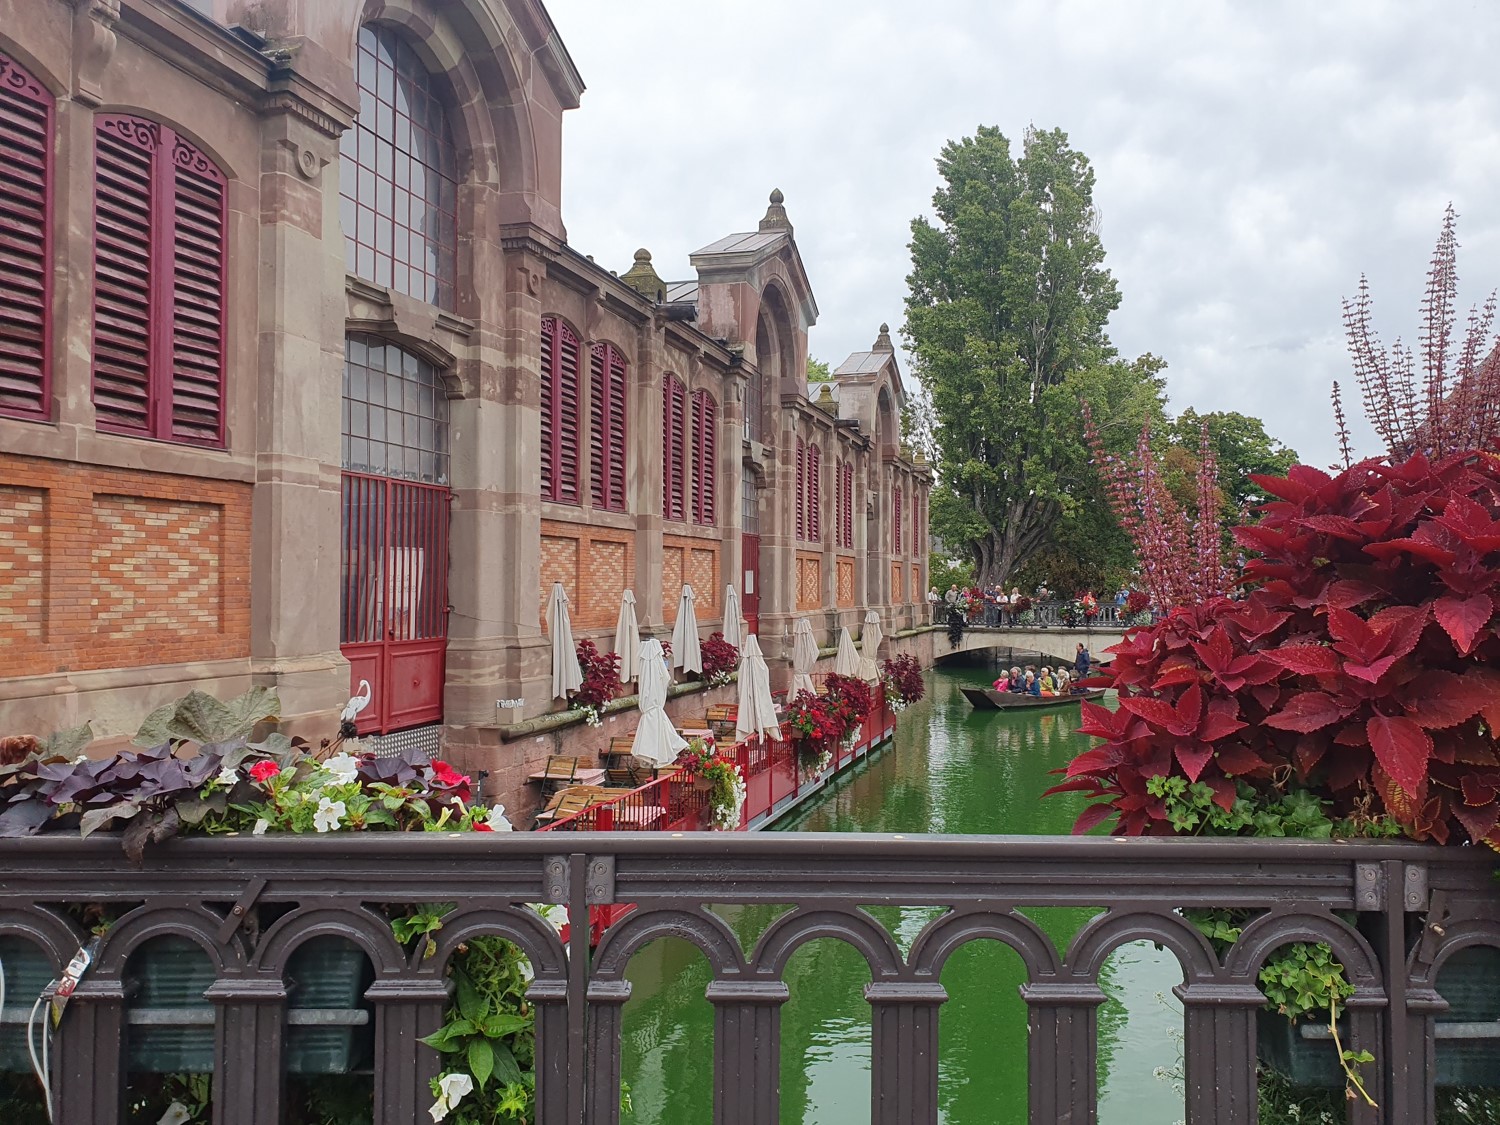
[{"x": 950, "y": 769}]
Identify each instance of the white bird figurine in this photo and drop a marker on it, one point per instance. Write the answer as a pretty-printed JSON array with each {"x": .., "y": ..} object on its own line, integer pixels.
[{"x": 356, "y": 704}]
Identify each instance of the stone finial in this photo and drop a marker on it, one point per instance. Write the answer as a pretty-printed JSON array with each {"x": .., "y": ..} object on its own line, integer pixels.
[
  {"x": 776, "y": 214},
  {"x": 642, "y": 277},
  {"x": 883, "y": 341}
]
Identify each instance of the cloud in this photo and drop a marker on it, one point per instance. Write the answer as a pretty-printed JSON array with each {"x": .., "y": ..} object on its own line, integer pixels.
[{"x": 1253, "y": 159}]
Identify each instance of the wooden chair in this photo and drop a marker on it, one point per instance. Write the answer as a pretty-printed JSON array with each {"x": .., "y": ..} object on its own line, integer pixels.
[
  {"x": 559, "y": 773},
  {"x": 623, "y": 775}
]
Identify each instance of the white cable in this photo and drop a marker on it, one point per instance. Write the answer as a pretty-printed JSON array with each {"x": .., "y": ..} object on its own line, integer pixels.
[{"x": 40, "y": 1067}]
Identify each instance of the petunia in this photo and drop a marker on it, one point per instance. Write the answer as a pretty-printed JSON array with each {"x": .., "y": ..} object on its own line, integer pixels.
[
  {"x": 227, "y": 776},
  {"x": 344, "y": 767},
  {"x": 497, "y": 821},
  {"x": 329, "y": 816},
  {"x": 452, "y": 1089},
  {"x": 263, "y": 771},
  {"x": 260, "y": 827}
]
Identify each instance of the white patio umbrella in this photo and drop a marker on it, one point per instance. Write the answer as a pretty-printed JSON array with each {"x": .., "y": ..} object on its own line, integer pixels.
[
  {"x": 655, "y": 738},
  {"x": 627, "y": 637},
  {"x": 869, "y": 645},
  {"x": 732, "y": 632},
  {"x": 686, "y": 653},
  {"x": 566, "y": 675},
  {"x": 757, "y": 711},
  {"x": 804, "y": 657},
  {"x": 846, "y": 660}
]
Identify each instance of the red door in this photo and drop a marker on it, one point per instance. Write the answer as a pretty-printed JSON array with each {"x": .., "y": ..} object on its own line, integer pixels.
[
  {"x": 750, "y": 591},
  {"x": 394, "y": 622}
]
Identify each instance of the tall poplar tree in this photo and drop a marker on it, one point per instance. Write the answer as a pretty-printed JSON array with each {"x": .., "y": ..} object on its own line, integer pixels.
[{"x": 1008, "y": 299}]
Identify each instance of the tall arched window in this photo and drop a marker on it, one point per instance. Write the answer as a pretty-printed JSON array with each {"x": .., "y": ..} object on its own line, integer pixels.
[
  {"x": 801, "y": 490},
  {"x": 674, "y": 444},
  {"x": 814, "y": 494},
  {"x": 395, "y": 413},
  {"x": 398, "y": 175},
  {"x": 159, "y": 226},
  {"x": 607, "y": 385},
  {"x": 705, "y": 449},
  {"x": 26, "y": 124},
  {"x": 560, "y": 354}
]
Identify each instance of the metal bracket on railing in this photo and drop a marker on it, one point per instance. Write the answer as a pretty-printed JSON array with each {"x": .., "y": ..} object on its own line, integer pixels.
[
  {"x": 555, "y": 871},
  {"x": 600, "y": 888},
  {"x": 1416, "y": 888},
  {"x": 1369, "y": 886},
  {"x": 240, "y": 911}
]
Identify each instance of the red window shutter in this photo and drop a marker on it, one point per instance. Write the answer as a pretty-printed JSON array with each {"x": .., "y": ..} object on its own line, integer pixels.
[
  {"x": 26, "y": 124},
  {"x": 814, "y": 494},
  {"x": 607, "y": 432},
  {"x": 896, "y": 521},
  {"x": 159, "y": 254},
  {"x": 705, "y": 442},
  {"x": 549, "y": 384},
  {"x": 674, "y": 435},
  {"x": 849, "y": 506},
  {"x": 565, "y": 415},
  {"x": 197, "y": 298},
  {"x": 618, "y": 382},
  {"x": 801, "y": 490}
]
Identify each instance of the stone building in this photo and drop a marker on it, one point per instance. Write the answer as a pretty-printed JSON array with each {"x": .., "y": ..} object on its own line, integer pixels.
[{"x": 301, "y": 382}]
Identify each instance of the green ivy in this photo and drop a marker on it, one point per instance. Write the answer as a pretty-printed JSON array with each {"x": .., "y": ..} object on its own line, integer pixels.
[{"x": 1192, "y": 810}]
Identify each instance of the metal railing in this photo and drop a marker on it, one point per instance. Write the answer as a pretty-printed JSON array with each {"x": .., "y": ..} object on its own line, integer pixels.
[
  {"x": 250, "y": 903},
  {"x": 1041, "y": 615}
]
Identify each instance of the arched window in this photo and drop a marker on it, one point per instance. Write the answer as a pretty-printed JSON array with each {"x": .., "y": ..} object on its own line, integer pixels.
[
  {"x": 398, "y": 175},
  {"x": 26, "y": 124},
  {"x": 560, "y": 352},
  {"x": 395, "y": 413},
  {"x": 674, "y": 442},
  {"x": 705, "y": 447},
  {"x": 801, "y": 490},
  {"x": 607, "y": 434},
  {"x": 814, "y": 494},
  {"x": 159, "y": 224}
]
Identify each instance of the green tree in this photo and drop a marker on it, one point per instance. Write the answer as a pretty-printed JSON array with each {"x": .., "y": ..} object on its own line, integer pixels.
[
  {"x": 1008, "y": 299},
  {"x": 818, "y": 371},
  {"x": 1242, "y": 447}
]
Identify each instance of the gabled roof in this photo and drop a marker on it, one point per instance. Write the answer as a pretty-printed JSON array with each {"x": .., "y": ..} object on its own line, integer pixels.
[
  {"x": 862, "y": 363},
  {"x": 749, "y": 242}
]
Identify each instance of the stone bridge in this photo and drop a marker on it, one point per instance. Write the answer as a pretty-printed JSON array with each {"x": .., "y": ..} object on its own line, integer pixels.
[{"x": 1058, "y": 642}]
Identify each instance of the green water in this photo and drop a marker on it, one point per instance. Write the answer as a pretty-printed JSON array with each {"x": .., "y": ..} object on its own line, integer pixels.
[{"x": 950, "y": 769}]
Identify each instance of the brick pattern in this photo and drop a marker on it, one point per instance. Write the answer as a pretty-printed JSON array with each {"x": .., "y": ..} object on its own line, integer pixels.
[
  {"x": 702, "y": 573},
  {"x": 595, "y": 566},
  {"x": 671, "y": 581},
  {"x": 845, "y": 575},
  {"x": 153, "y": 559},
  {"x": 128, "y": 568},
  {"x": 559, "y": 564},
  {"x": 23, "y": 526},
  {"x": 896, "y": 584},
  {"x": 697, "y": 563},
  {"x": 917, "y": 593},
  {"x": 809, "y": 581},
  {"x": 607, "y": 574}
]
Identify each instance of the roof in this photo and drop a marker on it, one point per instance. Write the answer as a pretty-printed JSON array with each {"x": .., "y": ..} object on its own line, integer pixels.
[
  {"x": 745, "y": 243},
  {"x": 863, "y": 363},
  {"x": 682, "y": 292}
]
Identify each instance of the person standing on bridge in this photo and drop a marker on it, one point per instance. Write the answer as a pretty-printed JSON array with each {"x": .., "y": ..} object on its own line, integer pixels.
[{"x": 1081, "y": 662}]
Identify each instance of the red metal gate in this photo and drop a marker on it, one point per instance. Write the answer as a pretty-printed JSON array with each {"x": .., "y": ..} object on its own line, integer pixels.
[
  {"x": 394, "y": 620},
  {"x": 750, "y": 599}
]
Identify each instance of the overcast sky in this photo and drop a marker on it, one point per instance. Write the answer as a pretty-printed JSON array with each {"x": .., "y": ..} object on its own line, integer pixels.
[{"x": 1253, "y": 158}]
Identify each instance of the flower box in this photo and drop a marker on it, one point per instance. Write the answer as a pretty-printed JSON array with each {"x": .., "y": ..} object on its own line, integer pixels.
[
  {"x": 1468, "y": 1034},
  {"x": 172, "y": 1025}
]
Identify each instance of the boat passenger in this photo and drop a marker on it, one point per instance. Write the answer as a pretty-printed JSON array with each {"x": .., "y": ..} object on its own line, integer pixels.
[
  {"x": 1048, "y": 684},
  {"x": 1033, "y": 685},
  {"x": 1017, "y": 684}
]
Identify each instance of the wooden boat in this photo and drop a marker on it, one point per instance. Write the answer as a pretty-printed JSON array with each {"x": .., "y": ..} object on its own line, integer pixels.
[{"x": 988, "y": 699}]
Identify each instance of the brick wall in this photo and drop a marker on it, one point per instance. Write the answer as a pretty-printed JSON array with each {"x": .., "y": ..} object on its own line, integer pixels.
[
  {"x": 809, "y": 581},
  {"x": 896, "y": 584},
  {"x": 696, "y": 563},
  {"x": 845, "y": 575},
  {"x": 596, "y": 566},
  {"x": 109, "y": 568}
]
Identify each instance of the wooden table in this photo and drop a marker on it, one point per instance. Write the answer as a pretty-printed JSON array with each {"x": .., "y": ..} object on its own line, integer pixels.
[{"x": 581, "y": 777}]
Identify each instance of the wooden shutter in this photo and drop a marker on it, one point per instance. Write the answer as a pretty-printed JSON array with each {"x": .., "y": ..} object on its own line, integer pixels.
[
  {"x": 607, "y": 430},
  {"x": 559, "y": 402},
  {"x": 197, "y": 298},
  {"x": 801, "y": 490},
  {"x": 896, "y": 521},
  {"x": 126, "y": 302},
  {"x": 26, "y": 123},
  {"x": 674, "y": 468},
  {"x": 549, "y": 383},
  {"x": 814, "y": 494},
  {"x": 705, "y": 449}
]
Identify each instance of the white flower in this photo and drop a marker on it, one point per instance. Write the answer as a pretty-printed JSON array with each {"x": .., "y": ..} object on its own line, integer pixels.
[
  {"x": 344, "y": 767},
  {"x": 227, "y": 776},
  {"x": 177, "y": 1114},
  {"x": 553, "y": 912},
  {"x": 498, "y": 821},
  {"x": 329, "y": 816},
  {"x": 260, "y": 827},
  {"x": 452, "y": 1089}
]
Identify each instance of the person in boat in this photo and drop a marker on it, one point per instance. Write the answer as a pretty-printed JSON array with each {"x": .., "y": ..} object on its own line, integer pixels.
[
  {"x": 1081, "y": 662},
  {"x": 1016, "y": 684},
  {"x": 1033, "y": 685},
  {"x": 1048, "y": 686},
  {"x": 1060, "y": 680}
]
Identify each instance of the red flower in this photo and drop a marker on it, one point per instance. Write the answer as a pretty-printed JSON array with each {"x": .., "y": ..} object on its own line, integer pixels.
[
  {"x": 446, "y": 776},
  {"x": 263, "y": 771},
  {"x": 481, "y": 826}
]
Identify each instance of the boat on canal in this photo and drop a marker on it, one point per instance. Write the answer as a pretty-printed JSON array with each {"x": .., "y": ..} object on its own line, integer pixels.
[{"x": 988, "y": 699}]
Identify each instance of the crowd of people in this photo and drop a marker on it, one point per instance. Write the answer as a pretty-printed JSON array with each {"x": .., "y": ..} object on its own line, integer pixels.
[
  {"x": 1046, "y": 682},
  {"x": 992, "y": 605}
]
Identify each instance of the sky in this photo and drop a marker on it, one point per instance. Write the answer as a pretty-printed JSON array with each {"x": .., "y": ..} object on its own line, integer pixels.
[{"x": 1254, "y": 158}]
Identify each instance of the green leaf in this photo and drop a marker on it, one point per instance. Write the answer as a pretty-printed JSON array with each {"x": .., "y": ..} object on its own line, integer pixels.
[
  {"x": 471, "y": 1004},
  {"x": 506, "y": 1068},
  {"x": 68, "y": 743},
  {"x": 481, "y": 1061},
  {"x": 503, "y": 1024},
  {"x": 444, "y": 1039},
  {"x": 199, "y": 717}
]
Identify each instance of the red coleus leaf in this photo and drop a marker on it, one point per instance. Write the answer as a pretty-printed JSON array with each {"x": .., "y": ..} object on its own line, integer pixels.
[
  {"x": 1309, "y": 711},
  {"x": 1478, "y": 790},
  {"x": 1158, "y": 712},
  {"x": 1426, "y": 551},
  {"x": 1192, "y": 757},
  {"x": 1438, "y": 699},
  {"x": 1340, "y": 527},
  {"x": 1306, "y": 660},
  {"x": 1464, "y": 619},
  {"x": 1240, "y": 761},
  {"x": 1403, "y": 749},
  {"x": 1178, "y": 673},
  {"x": 1090, "y": 817},
  {"x": 1101, "y": 722},
  {"x": 1478, "y": 819},
  {"x": 1350, "y": 593},
  {"x": 1472, "y": 523},
  {"x": 1220, "y": 720}
]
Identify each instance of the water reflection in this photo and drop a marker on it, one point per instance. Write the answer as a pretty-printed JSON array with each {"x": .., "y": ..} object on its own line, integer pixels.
[{"x": 953, "y": 770}]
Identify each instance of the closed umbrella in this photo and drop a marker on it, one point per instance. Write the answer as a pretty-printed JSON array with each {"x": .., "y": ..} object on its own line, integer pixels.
[
  {"x": 846, "y": 660},
  {"x": 869, "y": 644},
  {"x": 566, "y": 675},
  {"x": 732, "y": 632},
  {"x": 757, "y": 711},
  {"x": 686, "y": 653},
  {"x": 804, "y": 657},
  {"x": 655, "y": 738},
  {"x": 627, "y": 637}
]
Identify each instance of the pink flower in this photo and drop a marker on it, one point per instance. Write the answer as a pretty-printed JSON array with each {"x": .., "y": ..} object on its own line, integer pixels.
[{"x": 262, "y": 772}]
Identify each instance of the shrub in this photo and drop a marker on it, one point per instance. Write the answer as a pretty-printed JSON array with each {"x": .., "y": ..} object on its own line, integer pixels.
[
  {"x": 720, "y": 658},
  {"x": 902, "y": 678},
  {"x": 601, "y": 680}
]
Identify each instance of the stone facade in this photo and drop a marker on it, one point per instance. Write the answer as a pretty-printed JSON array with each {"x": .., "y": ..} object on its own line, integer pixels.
[{"x": 134, "y": 569}]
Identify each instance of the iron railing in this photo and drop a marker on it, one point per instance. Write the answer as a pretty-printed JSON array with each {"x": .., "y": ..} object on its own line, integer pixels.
[
  {"x": 250, "y": 902},
  {"x": 1040, "y": 615}
]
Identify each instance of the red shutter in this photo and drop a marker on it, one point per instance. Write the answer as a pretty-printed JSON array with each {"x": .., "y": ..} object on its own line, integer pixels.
[
  {"x": 801, "y": 490},
  {"x": 615, "y": 498},
  {"x": 565, "y": 414},
  {"x": 896, "y": 521},
  {"x": 814, "y": 494},
  {"x": 705, "y": 441},
  {"x": 674, "y": 467},
  {"x": 599, "y": 421},
  {"x": 197, "y": 390},
  {"x": 549, "y": 383},
  {"x": 124, "y": 301},
  {"x": 25, "y": 243},
  {"x": 607, "y": 433},
  {"x": 849, "y": 505}
]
